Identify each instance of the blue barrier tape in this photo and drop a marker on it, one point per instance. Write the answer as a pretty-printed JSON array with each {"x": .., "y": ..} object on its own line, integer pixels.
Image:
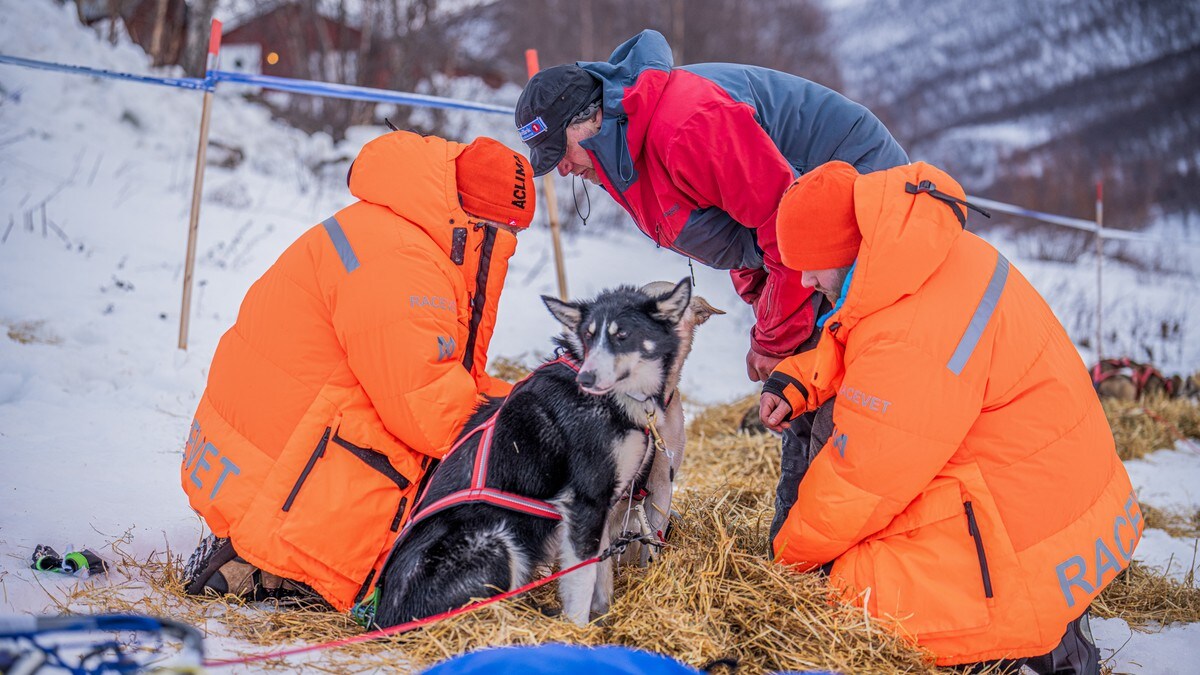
[
  {"x": 181, "y": 82},
  {"x": 312, "y": 87},
  {"x": 1077, "y": 224},
  {"x": 332, "y": 90},
  {"x": 346, "y": 91}
]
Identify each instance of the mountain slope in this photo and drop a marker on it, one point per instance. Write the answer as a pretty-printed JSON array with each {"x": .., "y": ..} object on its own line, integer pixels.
[{"x": 1102, "y": 89}]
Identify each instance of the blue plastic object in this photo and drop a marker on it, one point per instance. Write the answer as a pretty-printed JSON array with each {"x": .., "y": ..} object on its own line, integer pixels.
[{"x": 557, "y": 658}]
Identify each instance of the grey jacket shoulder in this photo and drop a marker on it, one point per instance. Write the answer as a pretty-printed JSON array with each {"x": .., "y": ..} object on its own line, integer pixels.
[{"x": 810, "y": 123}]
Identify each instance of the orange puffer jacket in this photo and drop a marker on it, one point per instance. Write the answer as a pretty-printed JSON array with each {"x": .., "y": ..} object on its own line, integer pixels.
[
  {"x": 971, "y": 489},
  {"x": 354, "y": 361}
]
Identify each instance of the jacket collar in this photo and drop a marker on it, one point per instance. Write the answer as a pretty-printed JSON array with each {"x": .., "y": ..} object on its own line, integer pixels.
[
  {"x": 906, "y": 238},
  {"x": 633, "y": 80}
]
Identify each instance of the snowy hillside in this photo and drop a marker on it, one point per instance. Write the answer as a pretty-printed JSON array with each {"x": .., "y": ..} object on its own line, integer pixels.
[
  {"x": 1067, "y": 92},
  {"x": 95, "y": 398}
]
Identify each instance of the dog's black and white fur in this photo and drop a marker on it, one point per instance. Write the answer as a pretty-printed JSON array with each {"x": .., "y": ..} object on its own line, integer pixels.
[{"x": 574, "y": 440}]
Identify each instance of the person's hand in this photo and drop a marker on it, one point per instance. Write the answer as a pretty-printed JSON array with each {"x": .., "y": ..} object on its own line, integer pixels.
[
  {"x": 759, "y": 366},
  {"x": 773, "y": 410}
]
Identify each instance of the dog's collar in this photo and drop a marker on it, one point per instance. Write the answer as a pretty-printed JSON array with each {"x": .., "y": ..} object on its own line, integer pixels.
[
  {"x": 643, "y": 399},
  {"x": 648, "y": 403}
]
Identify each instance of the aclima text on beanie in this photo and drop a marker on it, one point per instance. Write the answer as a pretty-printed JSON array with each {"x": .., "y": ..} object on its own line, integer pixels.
[{"x": 495, "y": 183}]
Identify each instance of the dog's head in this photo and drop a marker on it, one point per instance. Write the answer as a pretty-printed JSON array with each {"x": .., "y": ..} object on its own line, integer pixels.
[
  {"x": 699, "y": 310},
  {"x": 627, "y": 339}
]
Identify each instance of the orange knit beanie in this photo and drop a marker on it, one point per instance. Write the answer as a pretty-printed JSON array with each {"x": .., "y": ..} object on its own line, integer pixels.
[
  {"x": 816, "y": 226},
  {"x": 495, "y": 183}
]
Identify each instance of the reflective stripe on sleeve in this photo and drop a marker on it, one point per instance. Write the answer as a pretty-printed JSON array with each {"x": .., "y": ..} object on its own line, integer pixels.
[
  {"x": 341, "y": 244},
  {"x": 979, "y": 321}
]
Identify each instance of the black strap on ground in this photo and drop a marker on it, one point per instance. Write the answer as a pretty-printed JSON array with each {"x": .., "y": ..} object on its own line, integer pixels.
[{"x": 927, "y": 187}]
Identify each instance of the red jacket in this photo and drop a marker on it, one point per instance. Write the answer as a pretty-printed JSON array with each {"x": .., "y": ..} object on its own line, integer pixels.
[{"x": 700, "y": 155}]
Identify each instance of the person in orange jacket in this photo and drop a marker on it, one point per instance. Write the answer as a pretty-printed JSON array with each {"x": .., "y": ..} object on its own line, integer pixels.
[
  {"x": 353, "y": 364},
  {"x": 970, "y": 492}
]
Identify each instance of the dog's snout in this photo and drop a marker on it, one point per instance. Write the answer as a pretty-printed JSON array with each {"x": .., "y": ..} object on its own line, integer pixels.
[{"x": 586, "y": 378}]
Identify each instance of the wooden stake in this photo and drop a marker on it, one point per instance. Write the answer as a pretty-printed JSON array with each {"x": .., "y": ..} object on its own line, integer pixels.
[
  {"x": 1099, "y": 271},
  {"x": 189, "y": 265},
  {"x": 531, "y": 65},
  {"x": 156, "y": 40}
]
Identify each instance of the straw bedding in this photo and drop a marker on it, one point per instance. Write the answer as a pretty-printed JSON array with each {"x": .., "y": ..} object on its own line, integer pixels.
[{"x": 712, "y": 594}]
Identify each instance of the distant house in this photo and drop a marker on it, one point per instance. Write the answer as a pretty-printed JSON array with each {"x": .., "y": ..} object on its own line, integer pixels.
[
  {"x": 158, "y": 26},
  {"x": 286, "y": 39}
]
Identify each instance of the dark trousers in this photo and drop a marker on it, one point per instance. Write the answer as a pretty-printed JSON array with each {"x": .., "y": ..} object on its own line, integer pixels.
[
  {"x": 801, "y": 443},
  {"x": 802, "y": 440}
]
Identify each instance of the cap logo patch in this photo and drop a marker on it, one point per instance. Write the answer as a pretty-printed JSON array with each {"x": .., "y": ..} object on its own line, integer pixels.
[{"x": 531, "y": 130}]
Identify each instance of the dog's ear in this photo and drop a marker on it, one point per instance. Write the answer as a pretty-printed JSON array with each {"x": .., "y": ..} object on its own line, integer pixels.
[
  {"x": 671, "y": 307},
  {"x": 568, "y": 314},
  {"x": 701, "y": 310}
]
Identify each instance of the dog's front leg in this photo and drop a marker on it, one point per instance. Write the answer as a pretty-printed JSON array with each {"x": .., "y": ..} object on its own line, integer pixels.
[
  {"x": 603, "y": 586},
  {"x": 580, "y": 537}
]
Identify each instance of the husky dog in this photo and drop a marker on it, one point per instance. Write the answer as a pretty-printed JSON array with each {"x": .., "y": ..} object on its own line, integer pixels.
[{"x": 534, "y": 477}]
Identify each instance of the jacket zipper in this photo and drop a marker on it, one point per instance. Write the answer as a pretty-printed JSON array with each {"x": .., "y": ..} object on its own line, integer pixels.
[
  {"x": 362, "y": 590},
  {"x": 480, "y": 300},
  {"x": 317, "y": 454},
  {"x": 379, "y": 462},
  {"x": 973, "y": 528}
]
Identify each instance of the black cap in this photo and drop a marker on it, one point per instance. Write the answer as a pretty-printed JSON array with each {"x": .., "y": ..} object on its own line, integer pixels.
[{"x": 546, "y": 106}]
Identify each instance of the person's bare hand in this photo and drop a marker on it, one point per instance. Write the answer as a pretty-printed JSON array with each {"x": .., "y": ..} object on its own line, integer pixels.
[
  {"x": 759, "y": 366},
  {"x": 772, "y": 410}
]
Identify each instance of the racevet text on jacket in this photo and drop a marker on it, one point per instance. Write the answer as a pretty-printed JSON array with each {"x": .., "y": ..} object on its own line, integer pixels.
[
  {"x": 863, "y": 399},
  {"x": 1076, "y": 573},
  {"x": 199, "y": 456}
]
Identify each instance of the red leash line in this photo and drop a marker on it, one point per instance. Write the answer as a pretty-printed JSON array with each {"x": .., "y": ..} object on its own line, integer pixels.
[
  {"x": 1191, "y": 444},
  {"x": 404, "y": 627}
]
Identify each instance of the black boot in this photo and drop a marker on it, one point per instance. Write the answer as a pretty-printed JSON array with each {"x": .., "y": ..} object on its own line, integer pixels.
[
  {"x": 202, "y": 568},
  {"x": 215, "y": 568},
  {"x": 1077, "y": 654}
]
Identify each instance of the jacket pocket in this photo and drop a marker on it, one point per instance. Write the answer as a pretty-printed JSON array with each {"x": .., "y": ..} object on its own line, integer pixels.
[
  {"x": 312, "y": 461},
  {"x": 973, "y": 530},
  {"x": 345, "y": 507},
  {"x": 926, "y": 569},
  {"x": 379, "y": 462}
]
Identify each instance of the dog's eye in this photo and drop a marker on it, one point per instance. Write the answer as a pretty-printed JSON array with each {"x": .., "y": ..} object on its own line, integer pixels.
[{"x": 621, "y": 335}]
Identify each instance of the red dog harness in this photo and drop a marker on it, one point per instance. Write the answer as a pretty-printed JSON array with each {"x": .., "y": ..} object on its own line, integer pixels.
[
  {"x": 479, "y": 491},
  {"x": 1138, "y": 373}
]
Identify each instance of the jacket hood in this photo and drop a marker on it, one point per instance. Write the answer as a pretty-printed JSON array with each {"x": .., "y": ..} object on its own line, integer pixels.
[
  {"x": 906, "y": 237},
  {"x": 412, "y": 175},
  {"x": 633, "y": 79}
]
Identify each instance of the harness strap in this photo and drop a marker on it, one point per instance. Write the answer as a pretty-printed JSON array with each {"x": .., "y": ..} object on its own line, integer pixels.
[
  {"x": 507, "y": 500},
  {"x": 478, "y": 491},
  {"x": 482, "y": 452}
]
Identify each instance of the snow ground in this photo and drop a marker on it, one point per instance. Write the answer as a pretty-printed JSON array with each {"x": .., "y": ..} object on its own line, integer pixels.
[{"x": 95, "y": 401}]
